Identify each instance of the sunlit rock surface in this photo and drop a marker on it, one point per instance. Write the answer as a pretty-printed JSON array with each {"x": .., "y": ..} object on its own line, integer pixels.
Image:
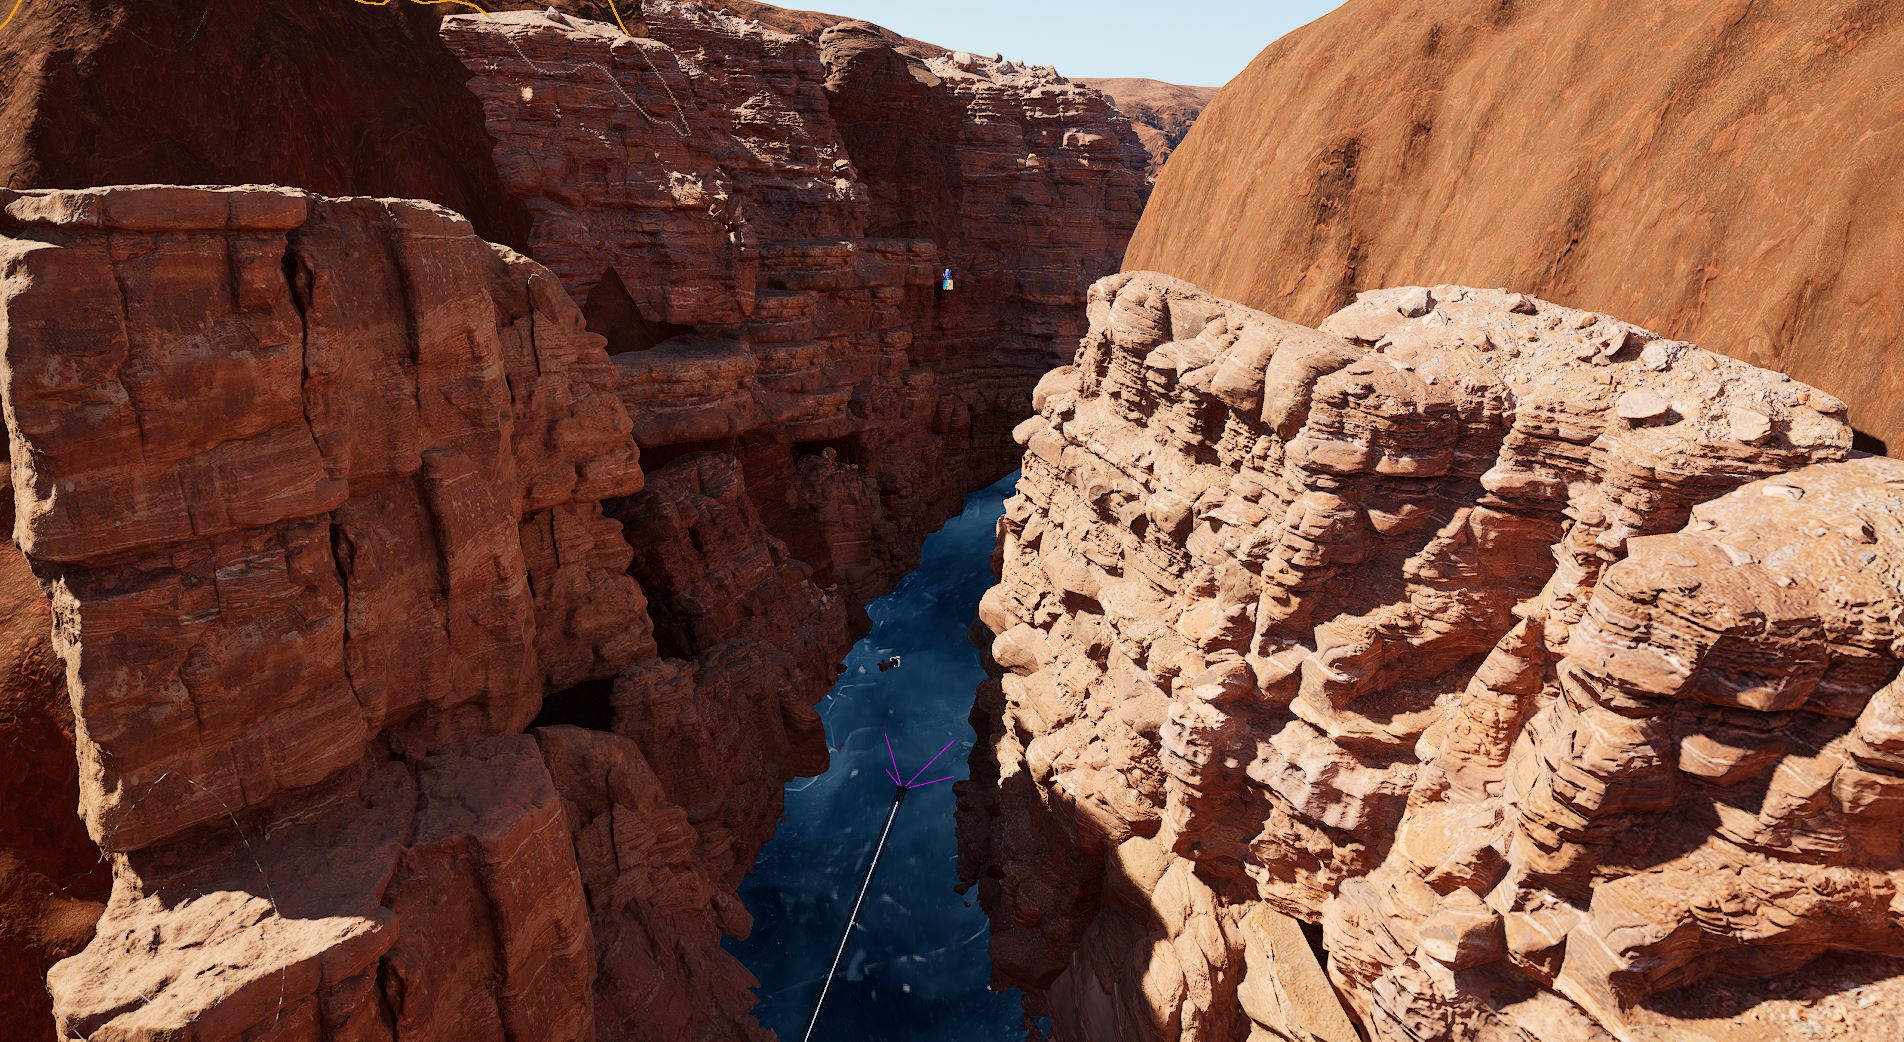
[{"x": 1541, "y": 660}]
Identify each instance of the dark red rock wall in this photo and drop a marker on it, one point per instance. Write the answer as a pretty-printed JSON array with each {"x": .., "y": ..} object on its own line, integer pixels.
[
  {"x": 331, "y": 501},
  {"x": 337, "y": 98},
  {"x": 758, "y": 237}
]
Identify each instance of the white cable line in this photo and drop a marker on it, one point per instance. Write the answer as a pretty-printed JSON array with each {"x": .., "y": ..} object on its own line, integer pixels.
[{"x": 847, "y": 934}]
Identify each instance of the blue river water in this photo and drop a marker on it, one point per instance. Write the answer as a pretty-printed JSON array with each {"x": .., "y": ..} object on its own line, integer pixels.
[{"x": 917, "y": 967}]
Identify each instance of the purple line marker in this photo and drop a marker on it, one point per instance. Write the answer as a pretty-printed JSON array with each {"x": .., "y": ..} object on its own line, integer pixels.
[
  {"x": 892, "y": 773},
  {"x": 934, "y": 781},
  {"x": 935, "y": 759},
  {"x": 899, "y": 797}
]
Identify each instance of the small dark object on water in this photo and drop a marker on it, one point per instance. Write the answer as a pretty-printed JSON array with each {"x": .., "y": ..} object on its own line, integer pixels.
[{"x": 888, "y": 663}]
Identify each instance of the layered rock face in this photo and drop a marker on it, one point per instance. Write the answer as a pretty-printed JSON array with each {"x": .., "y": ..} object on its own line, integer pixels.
[
  {"x": 1542, "y": 665},
  {"x": 1163, "y": 113},
  {"x": 756, "y": 222},
  {"x": 315, "y": 489},
  {"x": 440, "y": 625},
  {"x": 1639, "y": 160}
]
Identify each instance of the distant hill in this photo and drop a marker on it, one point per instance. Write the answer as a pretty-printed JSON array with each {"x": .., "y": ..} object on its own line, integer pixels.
[
  {"x": 1723, "y": 173},
  {"x": 1163, "y": 112}
]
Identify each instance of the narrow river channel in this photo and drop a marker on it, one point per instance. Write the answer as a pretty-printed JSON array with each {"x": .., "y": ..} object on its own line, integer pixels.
[{"x": 916, "y": 969}]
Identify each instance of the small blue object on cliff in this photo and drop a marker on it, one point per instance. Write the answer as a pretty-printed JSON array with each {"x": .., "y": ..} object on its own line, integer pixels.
[{"x": 945, "y": 280}]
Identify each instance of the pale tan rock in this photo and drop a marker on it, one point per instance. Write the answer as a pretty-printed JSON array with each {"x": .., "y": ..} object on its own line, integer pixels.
[
  {"x": 1283, "y": 990},
  {"x": 1463, "y": 932},
  {"x": 1545, "y": 710},
  {"x": 1749, "y": 425},
  {"x": 1642, "y": 404}
]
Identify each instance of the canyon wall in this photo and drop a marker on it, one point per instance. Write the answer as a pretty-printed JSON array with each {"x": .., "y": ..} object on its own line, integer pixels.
[
  {"x": 1536, "y": 669},
  {"x": 1723, "y": 170},
  {"x": 314, "y": 489},
  {"x": 1163, "y": 113},
  {"x": 438, "y": 623},
  {"x": 757, "y": 221}
]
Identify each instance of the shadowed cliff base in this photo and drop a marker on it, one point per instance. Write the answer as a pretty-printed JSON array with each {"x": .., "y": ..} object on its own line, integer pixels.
[{"x": 53, "y": 884}]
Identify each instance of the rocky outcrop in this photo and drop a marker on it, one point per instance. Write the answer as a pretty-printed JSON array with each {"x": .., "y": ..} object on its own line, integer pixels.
[
  {"x": 756, "y": 222},
  {"x": 1640, "y": 161},
  {"x": 315, "y": 489},
  {"x": 1538, "y": 662},
  {"x": 256, "y": 436},
  {"x": 439, "y": 624},
  {"x": 313, "y": 486},
  {"x": 1162, "y": 113}
]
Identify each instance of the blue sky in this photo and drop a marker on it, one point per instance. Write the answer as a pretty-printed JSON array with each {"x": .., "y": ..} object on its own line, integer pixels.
[{"x": 1199, "y": 42}]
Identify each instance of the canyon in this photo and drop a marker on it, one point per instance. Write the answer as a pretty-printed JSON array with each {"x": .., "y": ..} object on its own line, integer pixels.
[
  {"x": 1514, "y": 665},
  {"x": 440, "y": 591},
  {"x": 450, "y": 453}
]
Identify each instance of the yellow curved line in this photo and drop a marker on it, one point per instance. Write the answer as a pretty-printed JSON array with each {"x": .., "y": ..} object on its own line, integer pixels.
[
  {"x": 425, "y": 3},
  {"x": 17, "y": 4},
  {"x": 422, "y": 3},
  {"x": 618, "y": 21},
  {"x": 459, "y": 3}
]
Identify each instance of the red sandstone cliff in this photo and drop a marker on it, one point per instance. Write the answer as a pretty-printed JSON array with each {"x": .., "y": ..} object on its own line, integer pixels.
[
  {"x": 1546, "y": 667},
  {"x": 1163, "y": 113},
  {"x": 440, "y": 624},
  {"x": 756, "y": 222},
  {"x": 1725, "y": 170}
]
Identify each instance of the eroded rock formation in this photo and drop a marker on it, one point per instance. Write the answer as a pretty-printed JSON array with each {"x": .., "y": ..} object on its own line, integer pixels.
[
  {"x": 287, "y": 468},
  {"x": 756, "y": 221},
  {"x": 440, "y": 624},
  {"x": 1544, "y": 663},
  {"x": 1642, "y": 160},
  {"x": 1162, "y": 113}
]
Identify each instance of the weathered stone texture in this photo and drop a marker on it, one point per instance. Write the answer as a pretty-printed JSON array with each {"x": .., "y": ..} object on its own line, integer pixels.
[
  {"x": 310, "y": 484},
  {"x": 756, "y": 221},
  {"x": 1541, "y": 660},
  {"x": 330, "y": 501},
  {"x": 274, "y": 447},
  {"x": 1722, "y": 170}
]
